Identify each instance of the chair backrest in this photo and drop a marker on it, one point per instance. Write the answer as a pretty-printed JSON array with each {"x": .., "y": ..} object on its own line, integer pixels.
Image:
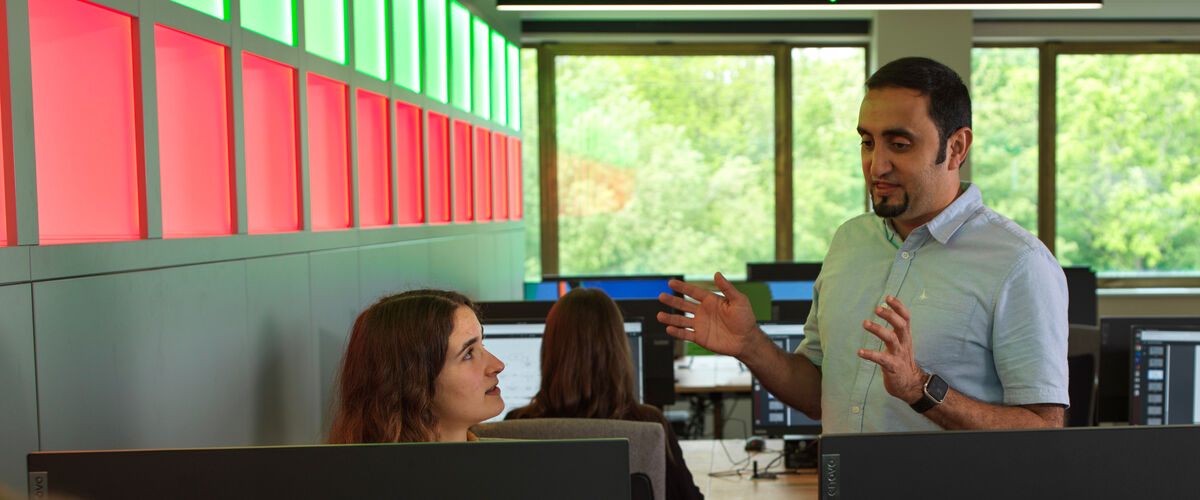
[
  {"x": 1083, "y": 367},
  {"x": 647, "y": 441}
]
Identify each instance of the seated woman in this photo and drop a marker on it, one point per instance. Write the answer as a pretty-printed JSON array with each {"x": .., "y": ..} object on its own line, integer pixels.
[
  {"x": 587, "y": 372},
  {"x": 415, "y": 370}
]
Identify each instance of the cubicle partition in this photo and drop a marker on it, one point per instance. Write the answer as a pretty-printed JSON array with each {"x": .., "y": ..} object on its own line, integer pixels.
[{"x": 1096, "y": 463}]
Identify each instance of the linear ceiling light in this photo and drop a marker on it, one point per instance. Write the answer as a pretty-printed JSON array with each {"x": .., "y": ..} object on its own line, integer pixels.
[{"x": 692, "y": 5}]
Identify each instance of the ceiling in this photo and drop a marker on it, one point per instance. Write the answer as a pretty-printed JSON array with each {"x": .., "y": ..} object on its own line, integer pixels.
[{"x": 1113, "y": 10}]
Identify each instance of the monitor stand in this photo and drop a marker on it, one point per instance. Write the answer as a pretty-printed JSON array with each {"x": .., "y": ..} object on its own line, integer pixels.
[{"x": 799, "y": 451}]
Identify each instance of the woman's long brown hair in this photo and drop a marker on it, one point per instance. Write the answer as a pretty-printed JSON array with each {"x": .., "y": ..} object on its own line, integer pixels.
[
  {"x": 396, "y": 350},
  {"x": 587, "y": 369}
]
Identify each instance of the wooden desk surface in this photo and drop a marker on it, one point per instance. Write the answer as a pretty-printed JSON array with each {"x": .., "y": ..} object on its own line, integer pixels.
[
  {"x": 705, "y": 456},
  {"x": 714, "y": 373}
]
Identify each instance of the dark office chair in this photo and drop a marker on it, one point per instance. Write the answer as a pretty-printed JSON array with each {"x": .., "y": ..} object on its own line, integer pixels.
[{"x": 1083, "y": 367}]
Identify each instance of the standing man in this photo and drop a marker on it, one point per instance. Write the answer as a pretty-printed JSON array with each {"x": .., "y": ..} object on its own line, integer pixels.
[{"x": 935, "y": 312}]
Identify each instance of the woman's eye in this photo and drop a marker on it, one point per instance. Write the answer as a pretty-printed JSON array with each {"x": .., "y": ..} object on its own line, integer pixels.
[{"x": 470, "y": 354}]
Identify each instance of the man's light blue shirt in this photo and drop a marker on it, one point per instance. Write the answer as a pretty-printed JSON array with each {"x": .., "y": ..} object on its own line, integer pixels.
[{"x": 989, "y": 314}]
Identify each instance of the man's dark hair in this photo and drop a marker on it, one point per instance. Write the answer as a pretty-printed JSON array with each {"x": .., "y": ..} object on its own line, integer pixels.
[{"x": 949, "y": 100}]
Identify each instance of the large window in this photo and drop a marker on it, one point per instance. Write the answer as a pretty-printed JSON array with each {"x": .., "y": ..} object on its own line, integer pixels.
[
  {"x": 665, "y": 163},
  {"x": 827, "y": 88},
  {"x": 529, "y": 165},
  {"x": 1004, "y": 156},
  {"x": 1128, "y": 161}
]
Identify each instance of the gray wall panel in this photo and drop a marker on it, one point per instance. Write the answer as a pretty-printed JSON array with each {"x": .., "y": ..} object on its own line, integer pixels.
[
  {"x": 143, "y": 360},
  {"x": 454, "y": 264},
  {"x": 18, "y": 411},
  {"x": 387, "y": 269},
  {"x": 285, "y": 379},
  {"x": 336, "y": 302}
]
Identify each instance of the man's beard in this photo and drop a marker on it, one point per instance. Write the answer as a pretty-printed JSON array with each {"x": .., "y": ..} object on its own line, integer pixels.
[{"x": 888, "y": 211}]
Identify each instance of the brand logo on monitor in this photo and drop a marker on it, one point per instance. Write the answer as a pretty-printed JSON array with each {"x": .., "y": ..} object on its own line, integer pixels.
[{"x": 39, "y": 485}]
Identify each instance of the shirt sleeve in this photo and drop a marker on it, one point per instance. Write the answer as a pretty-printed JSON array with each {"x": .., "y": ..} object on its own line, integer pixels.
[
  {"x": 1029, "y": 332},
  {"x": 810, "y": 347}
]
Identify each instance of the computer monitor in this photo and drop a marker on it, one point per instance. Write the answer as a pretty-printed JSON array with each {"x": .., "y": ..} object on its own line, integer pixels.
[
  {"x": 618, "y": 287},
  {"x": 583, "y": 469},
  {"x": 770, "y": 415},
  {"x": 782, "y": 271},
  {"x": 1081, "y": 295},
  {"x": 1116, "y": 337},
  {"x": 1165, "y": 371},
  {"x": 518, "y": 344}
]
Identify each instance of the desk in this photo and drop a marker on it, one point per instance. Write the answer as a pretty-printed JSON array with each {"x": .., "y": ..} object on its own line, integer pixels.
[
  {"x": 704, "y": 456},
  {"x": 711, "y": 377}
]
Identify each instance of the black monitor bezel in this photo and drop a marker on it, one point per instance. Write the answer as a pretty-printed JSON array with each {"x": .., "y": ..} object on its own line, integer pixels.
[
  {"x": 1133, "y": 330},
  {"x": 1116, "y": 341}
]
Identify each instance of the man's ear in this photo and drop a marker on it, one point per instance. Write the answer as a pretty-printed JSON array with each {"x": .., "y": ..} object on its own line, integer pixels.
[{"x": 957, "y": 147}]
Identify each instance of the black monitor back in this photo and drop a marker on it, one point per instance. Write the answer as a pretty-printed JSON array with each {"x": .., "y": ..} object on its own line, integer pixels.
[
  {"x": 782, "y": 271},
  {"x": 596, "y": 468},
  {"x": 1082, "y": 307},
  {"x": 1096, "y": 463}
]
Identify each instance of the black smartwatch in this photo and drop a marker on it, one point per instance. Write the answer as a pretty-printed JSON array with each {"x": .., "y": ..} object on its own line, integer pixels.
[{"x": 932, "y": 395}]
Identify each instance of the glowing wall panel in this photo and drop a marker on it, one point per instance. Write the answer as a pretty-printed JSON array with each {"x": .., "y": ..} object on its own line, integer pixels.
[
  {"x": 374, "y": 161},
  {"x": 370, "y": 38},
  {"x": 406, "y": 44},
  {"x": 272, "y": 166},
  {"x": 89, "y": 181},
  {"x": 269, "y": 18},
  {"x": 215, "y": 8},
  {"x": 498, "y": 93},
  {"x": 483, "y": 174},
  {"x": 481, "y": 98},
  {"x": 194, "y": 151},
  {"x": 499, "y": 176},
  {"x": 410, "y": 170},
  {"x": 325, "y": 29},
  {"x": 513, "y": 66},
  {"x": 464, "y": 209},
  {"x": 328, "y": 154},
  {"x": 439, "y": 168},
  {"x": 7, "y": 211},
  {"x": 460, "y": 56},
  {"x": 436, "y": 29},
  {"x": 514, "y": 178}
]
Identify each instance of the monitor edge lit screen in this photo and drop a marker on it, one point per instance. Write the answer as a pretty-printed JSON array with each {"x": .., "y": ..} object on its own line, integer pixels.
[
  {"x": 1165, "y": 375},
  {"x": 519, "y": 346},
  {"x": 769, "y": 415}
]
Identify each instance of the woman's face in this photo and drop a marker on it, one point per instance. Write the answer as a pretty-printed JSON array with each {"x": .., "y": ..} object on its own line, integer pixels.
[{"x": 466, "y": 389}]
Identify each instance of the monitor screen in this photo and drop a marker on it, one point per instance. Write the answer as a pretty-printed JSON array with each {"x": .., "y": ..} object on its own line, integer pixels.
[
  {"x": 519, "y": 345},
  {"x": 1165, "y": 375},
  {"x": 770, "y": 415},
  {"x": 791, "y": 290},
  {"x": 617, "y": 287},
  {"x": 1116, "y": 336}
]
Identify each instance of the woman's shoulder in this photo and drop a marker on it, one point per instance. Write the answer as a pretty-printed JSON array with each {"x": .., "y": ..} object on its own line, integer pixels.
[
  {"x": 647, "y": 413},
  {"x": 517, "y": 413}
]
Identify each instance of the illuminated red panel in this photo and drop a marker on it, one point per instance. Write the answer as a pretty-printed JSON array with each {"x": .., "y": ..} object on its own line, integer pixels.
[
  {"x": 272, "y": 169},
  {"x": 328, "y": 153},
  {"x": 439, "y": 168},
  {"x": 193, "y": 135},
  {"x": 500, "y": 176},
  {"x": 410, "y": 171},
  {"x": 8, "y": 223},
  {"x": 90, "y": 185},
  {"x": 483, "y": 174},
  {"x": 463, "y": 207},
  {"x": 514, "y": 178},
  {"x": 374, "y": 161}
]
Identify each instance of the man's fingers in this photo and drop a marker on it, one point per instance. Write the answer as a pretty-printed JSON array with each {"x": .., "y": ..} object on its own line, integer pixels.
[
  {"x": 689, "y": 289},
  {"x": 680, "y": 333},
  {"x": 898, "y": 322},
  {"x": 678, "y": 303},
  {"x": 675, "y": 320},
  {"x": 726, "y": 287},
  {"x": 886, "y": 335},
  {"x": 899, "y": 307}
]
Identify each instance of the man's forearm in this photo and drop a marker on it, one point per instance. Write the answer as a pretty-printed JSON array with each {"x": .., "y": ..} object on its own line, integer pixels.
[
  {"x": 959, "y": 412},
  {"x": 792, "y": 378}
]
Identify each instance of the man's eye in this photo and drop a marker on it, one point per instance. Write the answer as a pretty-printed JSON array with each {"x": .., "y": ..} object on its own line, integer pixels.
[
  {"x": 901, "y": 145},
  {"x": 867, "y": 144}
]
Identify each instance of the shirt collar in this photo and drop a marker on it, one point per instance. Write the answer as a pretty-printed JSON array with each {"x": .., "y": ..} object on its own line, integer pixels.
[{"x": 956, "y": 214}]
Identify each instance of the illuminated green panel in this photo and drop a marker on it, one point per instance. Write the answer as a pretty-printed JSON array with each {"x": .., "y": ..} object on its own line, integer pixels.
[
  {"x": 269, "y": 18},
  {"x": 514, "y": 87},
  {"x": 435, "y": 50},
  {"x": 460, "y": 57},
  {"x": 215, "y": 8},
  {"x": 406, "y": 44},
  {"x": 499, "y": 102},
  {"x": 481, "y": 69},
  {"x": 370, "y": 38},
  {"x": 325, "y": 29}
]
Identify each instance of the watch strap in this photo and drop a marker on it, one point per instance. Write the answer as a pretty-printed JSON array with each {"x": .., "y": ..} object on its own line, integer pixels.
[{"x": 927, "y": 401}]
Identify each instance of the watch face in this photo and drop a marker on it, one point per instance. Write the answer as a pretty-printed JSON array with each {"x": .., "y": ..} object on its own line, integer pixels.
[{"x": 936, "y": 388}]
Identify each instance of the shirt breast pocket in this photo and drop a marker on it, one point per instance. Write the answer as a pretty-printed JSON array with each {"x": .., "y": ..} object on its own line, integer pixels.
[{"x": 943, "y": 331}]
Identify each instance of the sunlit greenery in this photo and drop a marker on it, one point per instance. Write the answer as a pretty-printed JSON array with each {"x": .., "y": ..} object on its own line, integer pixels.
[
  {"x": 1004, "y": 155},
  {"x": 531, "y": 189},
  {"x": 1128, "y": 166}
]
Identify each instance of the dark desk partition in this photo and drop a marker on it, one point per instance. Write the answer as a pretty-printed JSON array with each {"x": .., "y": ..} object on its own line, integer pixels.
[
  {"x": 1096, "y": 463},
  {"x": 595, "y": 469}
]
